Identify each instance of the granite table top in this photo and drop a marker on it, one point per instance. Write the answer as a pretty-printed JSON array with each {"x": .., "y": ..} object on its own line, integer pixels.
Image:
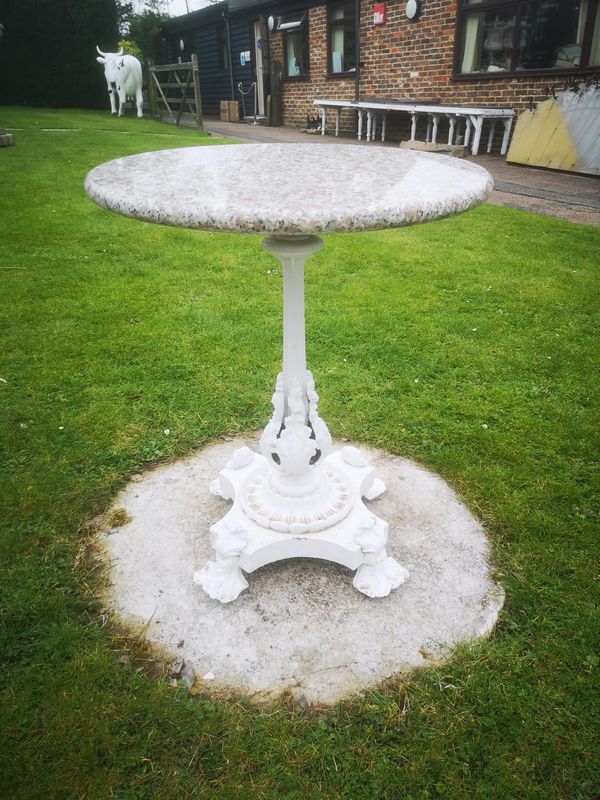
[{"x": 288, "y": 188}]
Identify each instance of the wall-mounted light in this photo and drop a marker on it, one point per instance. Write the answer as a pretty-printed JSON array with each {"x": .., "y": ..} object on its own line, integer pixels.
[{"x": 413, "y": 9}]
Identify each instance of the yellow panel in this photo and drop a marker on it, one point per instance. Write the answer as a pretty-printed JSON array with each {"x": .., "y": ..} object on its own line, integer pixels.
[{"x": 542, "y": 139}]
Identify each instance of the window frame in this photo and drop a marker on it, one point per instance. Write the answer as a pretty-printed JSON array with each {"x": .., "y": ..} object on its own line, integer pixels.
[
  {"x": 464, "y": 11},
  {"x": 303, "y": 28},
  {"x": 333, "y": 24}
]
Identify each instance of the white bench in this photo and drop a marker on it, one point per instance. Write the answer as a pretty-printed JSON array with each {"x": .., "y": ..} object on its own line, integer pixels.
[{"x": 473, "y": 116}]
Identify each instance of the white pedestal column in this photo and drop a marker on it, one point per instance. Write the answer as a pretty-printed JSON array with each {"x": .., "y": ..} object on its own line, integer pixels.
[
  {"x": 296, "y": 498},
  {"x": 292, "y": 254}
]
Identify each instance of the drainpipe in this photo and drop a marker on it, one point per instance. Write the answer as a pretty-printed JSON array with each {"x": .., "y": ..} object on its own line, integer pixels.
[
  {"x": 357, "y": 50},
  {"x": 229, "y": 56}
]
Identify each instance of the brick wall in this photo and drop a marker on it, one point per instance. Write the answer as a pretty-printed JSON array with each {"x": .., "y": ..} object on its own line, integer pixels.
[{"x": 402, "y": 60}]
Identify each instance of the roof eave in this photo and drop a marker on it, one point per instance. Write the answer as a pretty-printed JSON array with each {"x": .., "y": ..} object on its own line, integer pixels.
[{"x": 206, "y": 14}]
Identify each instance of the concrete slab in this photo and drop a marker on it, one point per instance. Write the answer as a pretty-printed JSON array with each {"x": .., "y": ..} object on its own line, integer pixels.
[
  {"x": 301, "y": 625},
  {"x": 458, "y": 150}
]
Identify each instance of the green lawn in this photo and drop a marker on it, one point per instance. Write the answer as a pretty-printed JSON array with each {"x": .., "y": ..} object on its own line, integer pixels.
[{"x": 113, "y": 330}]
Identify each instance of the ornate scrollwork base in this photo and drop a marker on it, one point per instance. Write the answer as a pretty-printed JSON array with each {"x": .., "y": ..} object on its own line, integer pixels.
[
  {"x": 297, "y": 498},
  {"x": 242, "y": 544}
]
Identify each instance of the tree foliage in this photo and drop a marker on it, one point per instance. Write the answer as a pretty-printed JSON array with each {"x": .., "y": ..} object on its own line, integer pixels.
[
  {"x": 141, "y": 27},
  {"x": 130, "y": 48},
  {"x": 144, "y": 31},
  {"x": 48, "y": 51},
  {"x": 125, "y": 12}
]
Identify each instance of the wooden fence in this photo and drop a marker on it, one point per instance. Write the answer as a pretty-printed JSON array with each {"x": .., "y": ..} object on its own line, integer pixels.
[{"x": 174, "y": 89}]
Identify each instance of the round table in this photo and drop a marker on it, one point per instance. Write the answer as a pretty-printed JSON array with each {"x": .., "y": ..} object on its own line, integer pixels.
[{"x": 296, "y": 498}]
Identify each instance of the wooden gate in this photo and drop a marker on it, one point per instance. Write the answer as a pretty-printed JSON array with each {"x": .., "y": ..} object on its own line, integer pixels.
[{"x": 174, "y": 89}]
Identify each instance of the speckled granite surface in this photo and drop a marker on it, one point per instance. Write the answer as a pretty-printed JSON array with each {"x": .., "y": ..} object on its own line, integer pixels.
[{"x": 288, "y": 188}]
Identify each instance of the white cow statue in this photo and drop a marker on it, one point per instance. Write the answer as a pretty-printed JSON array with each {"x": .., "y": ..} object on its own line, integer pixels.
[{"x": 124, "y": 76}]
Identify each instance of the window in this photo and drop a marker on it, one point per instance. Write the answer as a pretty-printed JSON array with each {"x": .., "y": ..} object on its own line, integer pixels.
[
  {"x": 222, "y": 47},
  {"x": 295, "y": 45},
  {"x": 342, "y": 38},
  {"x": 497, "y": 36}
]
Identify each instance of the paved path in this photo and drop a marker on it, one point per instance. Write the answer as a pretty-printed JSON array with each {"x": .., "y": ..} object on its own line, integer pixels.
[{"x": 575, "y": 198}]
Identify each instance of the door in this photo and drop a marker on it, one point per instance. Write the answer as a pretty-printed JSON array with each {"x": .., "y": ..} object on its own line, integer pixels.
[{"x": 261, "y": 60}]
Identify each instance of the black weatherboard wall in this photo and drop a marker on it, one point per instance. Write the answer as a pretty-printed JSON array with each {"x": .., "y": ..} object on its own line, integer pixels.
[{"x": 204, "y": 33}]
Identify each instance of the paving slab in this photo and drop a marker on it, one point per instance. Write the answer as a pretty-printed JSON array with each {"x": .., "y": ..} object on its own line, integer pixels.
[{"x": 300, "y": 626}]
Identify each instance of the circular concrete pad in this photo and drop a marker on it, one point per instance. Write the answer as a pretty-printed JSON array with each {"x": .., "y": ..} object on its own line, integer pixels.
[{"x": 301, "y": 625}]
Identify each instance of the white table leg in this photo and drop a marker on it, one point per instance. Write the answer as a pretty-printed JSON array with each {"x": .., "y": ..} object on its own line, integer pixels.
[
  {"x": 491, "y": 135},
  {"x": 468, "y": 126},
  {"x": 383, "y": 123},
  {"x": 413, "y": 126},
  {"x": 337, "y": 121},
  {"x": 451, "y": 127},
  {"x": 505, "y": 139},
  {"x": 296, "y": 499},
  {"x": 374, "y": 128},
  {"x": 323, "y": 120},
  {"x": 436, "y": 119},
  {"x": 477, "y": 126},
  {"x": 359, "y": 111},
  {"x": 369, "y": 124}
]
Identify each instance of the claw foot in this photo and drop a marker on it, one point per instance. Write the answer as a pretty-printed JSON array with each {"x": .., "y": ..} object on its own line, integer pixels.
[
  {"x": 378, "y": 580},
  {"x": 379, "y": 573},
  {"x": 376, "y": 488},
  {"x": 216, "y": 487},
  {"x": 221, "y": 580}
]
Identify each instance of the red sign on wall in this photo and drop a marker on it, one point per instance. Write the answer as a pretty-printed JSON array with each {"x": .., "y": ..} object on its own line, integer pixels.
[{"x": 379, "y": 14}]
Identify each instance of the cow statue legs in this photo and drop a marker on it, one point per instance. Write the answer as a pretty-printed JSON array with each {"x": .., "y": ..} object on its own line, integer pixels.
[
  {"x": 113, "y": 105},
  {"x": 139, "y": 101},
  {"x": 122, "y": 101}
]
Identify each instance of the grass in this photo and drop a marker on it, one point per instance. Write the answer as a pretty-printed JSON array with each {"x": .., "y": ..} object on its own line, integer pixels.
[{"x": 468, "y": 344}]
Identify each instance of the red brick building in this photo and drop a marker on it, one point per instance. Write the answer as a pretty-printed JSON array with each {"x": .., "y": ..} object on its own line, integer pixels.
[{"x": 503, "y": 53}]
